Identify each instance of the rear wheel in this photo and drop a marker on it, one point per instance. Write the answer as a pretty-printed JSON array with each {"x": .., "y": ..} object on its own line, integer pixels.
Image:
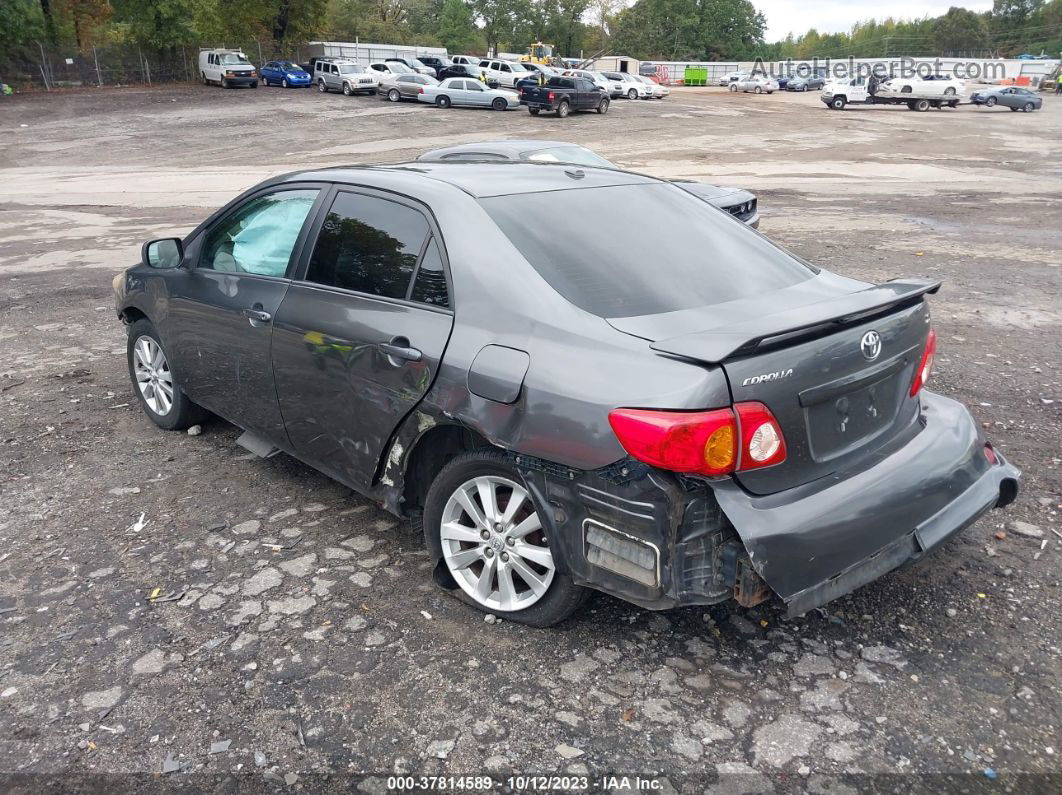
[
  {"x": 205, "y": 81},
  {"x": 602, "y": 106},
  {"x": 393, "y": 95},
  {"x": 533, "y": 111},
  {"x": 485, "y": 524},
  {"x": 156, "y": 386},
  {"x": 920, "y": 105},
  {"x": 499, "y": 104},
  {"x": 443, "y": 101},
  {"x": 990, "y": 102},
  {"x": 563, "y": 109}
]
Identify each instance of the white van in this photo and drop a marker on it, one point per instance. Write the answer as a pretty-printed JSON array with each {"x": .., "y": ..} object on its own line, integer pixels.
[{"x": 226, "y": 68}]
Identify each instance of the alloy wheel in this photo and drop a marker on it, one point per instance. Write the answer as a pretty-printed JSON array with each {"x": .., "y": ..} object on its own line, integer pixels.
[
  {"x": 493, "y": 544},
  {"x": 153, "y": 375}
]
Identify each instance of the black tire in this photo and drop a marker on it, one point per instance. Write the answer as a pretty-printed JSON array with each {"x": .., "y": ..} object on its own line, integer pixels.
[
  {"x": 183, "y": 412},
  {"x": 499, "y": 104},
  {"x": 284, "y": 83},
  {"x": 205, "y": 81},
  {"x": 534, "y": 111},
  {"x": 1013, "y": 110},
  {"x": 443, "y": 101},
  {"x": 990, "y": 102},
  {"x": 838, "y": 103},
  {"x": 1028, "y": 107},
  {"x": 224, "y": 82},
  {"x": 347, "y": 90},
  {"x": 906, "y": 90},
  {"x": 804, "y": 87},
  {"x": 563, "y": 109},
  {"x": 920, "y": 105},
  {"x": 733, "y": 87},
  {"x": 321, "y": 86},
  {"x": 632, "y": 94},
  {"x": 254, "y": 84},
  {"x": 602, "y": 106},
  {"x": 757, "y": 90},
  {"x": 394, "y": 95},
  {"x": 563, "y": 596}
]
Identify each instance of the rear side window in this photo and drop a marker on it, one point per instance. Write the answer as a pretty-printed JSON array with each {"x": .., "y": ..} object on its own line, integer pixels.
[
  {"x": 368, "y": 245},
  {"x": 429, "y": 287},
  {"x": 641, "y": 249}
]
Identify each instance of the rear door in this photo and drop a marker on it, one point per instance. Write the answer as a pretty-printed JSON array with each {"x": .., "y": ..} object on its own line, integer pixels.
[
  {"x": 359, "y": 337},
  {"x": 222, "y": 308}
]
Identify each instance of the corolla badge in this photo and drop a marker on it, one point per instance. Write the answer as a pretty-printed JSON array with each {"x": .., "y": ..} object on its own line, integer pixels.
[
  {"x": 871, "y": 345},
  {"x": 760, "y": 379}
]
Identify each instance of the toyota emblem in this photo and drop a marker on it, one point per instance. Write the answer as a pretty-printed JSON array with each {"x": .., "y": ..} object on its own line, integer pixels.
[{"x": 871, "y": 345}]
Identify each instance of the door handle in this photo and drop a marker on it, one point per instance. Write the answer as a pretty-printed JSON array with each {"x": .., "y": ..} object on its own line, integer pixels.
[
  {"x": 257, "y": 315},
  {"x": 394, "y": 350}
]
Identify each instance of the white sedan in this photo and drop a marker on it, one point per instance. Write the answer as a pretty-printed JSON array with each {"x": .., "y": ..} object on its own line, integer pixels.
[
  {"x": 935, "y": 85},
  {"x": 757, "y": 84},
  {"x": 659, "y": 89},
  {"x": 461, "y": 91}
]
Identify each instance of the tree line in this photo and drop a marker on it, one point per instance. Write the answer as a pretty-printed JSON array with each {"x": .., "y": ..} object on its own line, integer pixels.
[{"x": 648, "y": 29}]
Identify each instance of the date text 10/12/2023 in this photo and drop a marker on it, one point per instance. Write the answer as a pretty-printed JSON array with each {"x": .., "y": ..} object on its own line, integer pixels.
[{"x": 524, "y": 783}]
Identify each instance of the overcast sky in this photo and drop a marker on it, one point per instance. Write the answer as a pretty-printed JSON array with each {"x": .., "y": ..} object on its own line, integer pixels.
[{"x": 833, "y": 16}]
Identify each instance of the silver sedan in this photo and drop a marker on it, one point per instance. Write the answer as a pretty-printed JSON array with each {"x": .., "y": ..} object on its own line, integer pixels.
[{"x": 459, "y": 91}]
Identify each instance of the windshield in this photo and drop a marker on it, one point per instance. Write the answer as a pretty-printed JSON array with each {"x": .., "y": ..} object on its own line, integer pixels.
[
  {"x": 234, "y": 58},
  {"x": 288, "y": 66},
  {"x": 351, "y": 69},
  {"x": 642, "y": 249},
  {"x": 579, "y": 155},
  {"x": 399, "y": 68}
]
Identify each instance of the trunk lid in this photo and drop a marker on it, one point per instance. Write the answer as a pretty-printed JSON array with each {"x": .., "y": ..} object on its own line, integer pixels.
[{"x": 835, "y": 372}]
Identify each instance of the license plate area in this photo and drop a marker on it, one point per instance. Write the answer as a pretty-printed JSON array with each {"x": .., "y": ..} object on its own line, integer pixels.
[{"x": 848, "y": 419}]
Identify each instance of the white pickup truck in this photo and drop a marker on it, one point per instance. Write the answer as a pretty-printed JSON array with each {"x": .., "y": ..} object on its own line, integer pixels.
[{"x": 836, "y": 94}]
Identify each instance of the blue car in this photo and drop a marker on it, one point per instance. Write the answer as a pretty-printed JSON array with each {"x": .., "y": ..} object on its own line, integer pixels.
[{"x": 284, "y": 73}]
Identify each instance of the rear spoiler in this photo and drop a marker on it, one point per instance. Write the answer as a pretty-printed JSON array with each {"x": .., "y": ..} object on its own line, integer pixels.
[{"x": 716, "y": 345}]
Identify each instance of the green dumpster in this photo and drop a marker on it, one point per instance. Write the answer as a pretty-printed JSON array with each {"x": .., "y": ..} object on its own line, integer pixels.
[{"x": 696, "y": 76}]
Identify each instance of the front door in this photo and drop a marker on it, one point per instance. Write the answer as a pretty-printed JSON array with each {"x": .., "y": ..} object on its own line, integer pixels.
[
  {"x": 358, "y": 339},
  {"x": 222, "y": 307}
]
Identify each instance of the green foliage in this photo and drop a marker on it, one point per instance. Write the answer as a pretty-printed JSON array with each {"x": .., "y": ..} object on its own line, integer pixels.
[
  {"x": 455, "y": 26},
  {"x": 690, "y": 29},
  {"x": 959, "y": 30},
  {"x": 21, "y": 22}
]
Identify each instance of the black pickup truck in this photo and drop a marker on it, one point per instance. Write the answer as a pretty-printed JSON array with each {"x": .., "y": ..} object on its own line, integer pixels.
[{"x": 563, "y": 95}]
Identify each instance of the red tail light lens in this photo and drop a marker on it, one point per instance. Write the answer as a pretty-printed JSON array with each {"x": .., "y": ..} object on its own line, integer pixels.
[
  {"x": 701, "y": 442},
  {"x": 714, "y": 442},
  {"x": 925, "y": 367},
  {"x": 762, "y": 443},
  {"x": 552, "y": 96}
]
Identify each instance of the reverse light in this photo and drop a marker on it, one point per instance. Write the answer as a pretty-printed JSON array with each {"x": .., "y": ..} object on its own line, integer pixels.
[
  {"x": 714, "y": 442},
  {"x": 925, "y": 367}
]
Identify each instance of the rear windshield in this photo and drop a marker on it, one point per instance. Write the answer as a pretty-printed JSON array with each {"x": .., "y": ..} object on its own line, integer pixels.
[{"x": 641, "y": 249}]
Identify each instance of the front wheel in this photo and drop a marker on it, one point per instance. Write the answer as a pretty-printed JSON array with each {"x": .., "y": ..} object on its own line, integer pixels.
[
  {"x": 838, "y": 103},
  {"x": 347, "y": 90},
  {"x": 224, "y": 82},
  {"x": 499, "y": 104},
  {"x": 758, "y": 90},
  {"x": 321, "y": 86},
  {"x": 563, "y": 110},
  {"x": 443, "y": 101},
  {"x": 949, "y": 92},
  {"x": 602, "y": 107},
  {"x": 804, "y": 88},
  {"x": 990, "y": 102},
  {"x": 155, "y": 384},
  {"x": 484, "y": 525},
  {"x": 905, "y": 90},
  {"x": 393, "y": 95},
  {"x": 284, "y": 83},
  {"x": 1028, "y": 107},
  {"x": 632, "y": 94},
  {"x": 733, "y": 87}
]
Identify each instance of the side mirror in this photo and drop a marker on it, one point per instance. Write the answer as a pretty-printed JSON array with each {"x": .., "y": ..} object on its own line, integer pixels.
[{"x": 164, "y": 254}]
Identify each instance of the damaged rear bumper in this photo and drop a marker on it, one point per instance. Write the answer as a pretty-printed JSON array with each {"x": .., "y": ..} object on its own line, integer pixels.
[{"x": 661, "y": 540}]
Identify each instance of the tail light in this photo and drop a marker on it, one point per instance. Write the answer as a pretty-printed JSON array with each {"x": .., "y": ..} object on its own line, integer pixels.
[
  {"x": 715, "y": 442},
  {"x": 551, "y": 96},
  {"x": 925, "y": 367},
  {"x": 420, "y": 90}
]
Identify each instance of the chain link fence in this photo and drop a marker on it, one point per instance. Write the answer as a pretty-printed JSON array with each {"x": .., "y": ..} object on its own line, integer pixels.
[{"x": 46, "y": 68}]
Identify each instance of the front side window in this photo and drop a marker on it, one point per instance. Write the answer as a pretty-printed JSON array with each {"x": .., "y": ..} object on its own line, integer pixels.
[
  {"x": 368, "y": 245},
  {"x": 259, "y": 237}
]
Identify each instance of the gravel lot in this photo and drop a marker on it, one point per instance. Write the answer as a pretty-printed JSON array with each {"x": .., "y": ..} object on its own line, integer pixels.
[{"x": 309, "y": 643}]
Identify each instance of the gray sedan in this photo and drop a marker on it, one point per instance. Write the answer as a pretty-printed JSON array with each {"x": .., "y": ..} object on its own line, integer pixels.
[
  {"x": 1013, "y": 97},
  {"x": 737, "y": 202},
  {"x": 461, "y": 91},
  {"x": 407, "y": 87},
  {"x": 568, "y": 378}
]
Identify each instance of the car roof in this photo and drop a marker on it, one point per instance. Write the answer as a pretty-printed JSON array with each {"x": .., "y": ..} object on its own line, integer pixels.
[{"x": 479, "y": 180}]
